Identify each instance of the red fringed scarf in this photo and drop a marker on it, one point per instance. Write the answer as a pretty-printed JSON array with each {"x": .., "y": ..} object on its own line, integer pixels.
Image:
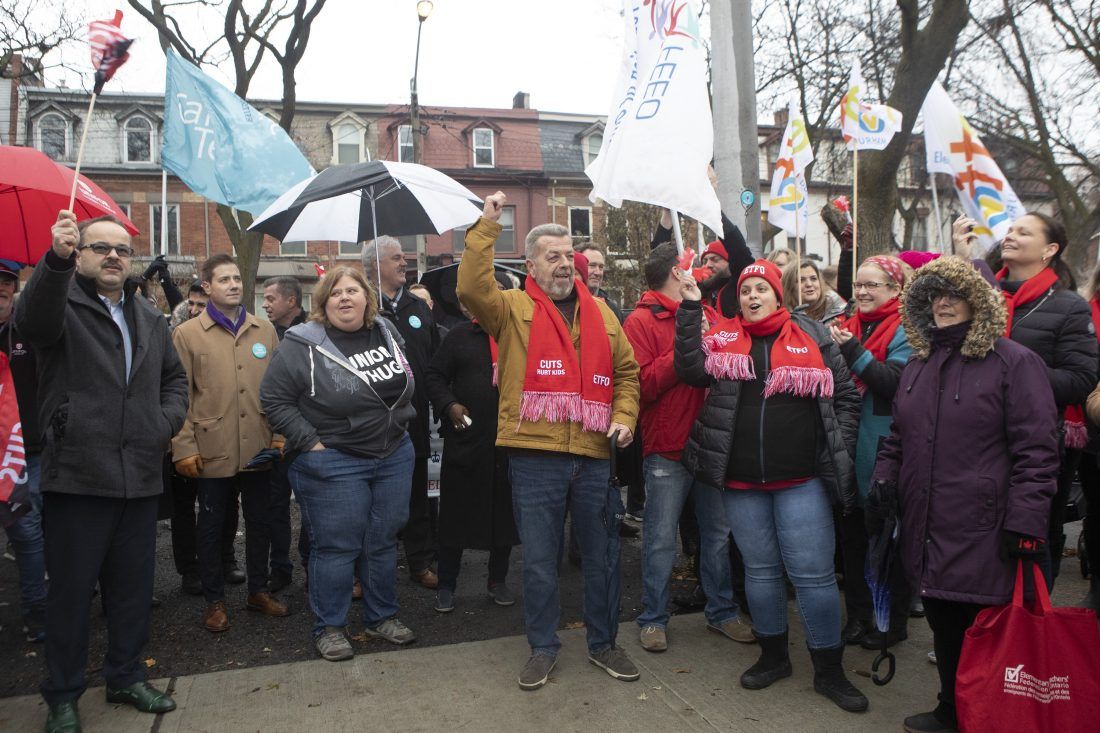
[
  {"x": 1035, "y": 287},
  {"x": 878, "y": 342},
  {"x": 555, "y": 386},
  {"x": 797, "y": 366}
]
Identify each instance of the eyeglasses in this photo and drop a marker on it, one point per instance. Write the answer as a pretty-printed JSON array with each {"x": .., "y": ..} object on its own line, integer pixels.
[
  {"x": 104, "y": 249},
  {"x": 868, "y": 286},
  {"x": 952, "y": 297}
]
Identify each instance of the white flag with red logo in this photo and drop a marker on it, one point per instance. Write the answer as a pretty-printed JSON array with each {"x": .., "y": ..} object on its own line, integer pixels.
[{"x": 110, "y": 49}]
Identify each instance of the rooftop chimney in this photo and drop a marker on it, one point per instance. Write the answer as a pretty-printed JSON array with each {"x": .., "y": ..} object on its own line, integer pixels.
[{"x": 522, "y": 100}]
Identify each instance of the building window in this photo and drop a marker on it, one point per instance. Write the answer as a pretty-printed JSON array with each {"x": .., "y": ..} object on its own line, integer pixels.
[
  {"x": 920, "y": 233},
  {"x": 349, "y": 143},
  {"x": 408, "y": 244},
  {"x": 405, "y": 144},
  {"x": 350, "y": 249},
  {"x": 138, "y": 141},
  {"x": 173, "y": 229},
  {"x": 483, "y": 147},
  {"x": 580, "y": 222},
  {"x": 293, "y": 249},
  {"x": 592, "y": 145},
  {"x": 506, "y": 242},
  {"x": 53, "y": 136}
]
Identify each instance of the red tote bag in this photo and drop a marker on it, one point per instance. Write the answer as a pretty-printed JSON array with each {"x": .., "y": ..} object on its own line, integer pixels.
[{"x": 1030, "y": 669}]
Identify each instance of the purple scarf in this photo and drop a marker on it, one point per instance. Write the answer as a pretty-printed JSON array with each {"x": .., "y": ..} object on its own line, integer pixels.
[{"x": 219, "y": 318}]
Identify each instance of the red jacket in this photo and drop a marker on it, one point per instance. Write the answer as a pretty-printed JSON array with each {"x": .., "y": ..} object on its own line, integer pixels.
[{"x": 668, "y": 406}]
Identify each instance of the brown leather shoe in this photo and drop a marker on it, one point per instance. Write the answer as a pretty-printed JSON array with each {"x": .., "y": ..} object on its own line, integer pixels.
[
  {"x": 216, "y": 618},
  {"x": 263, "y": 602},
  {"x": 427, "y": 578}
]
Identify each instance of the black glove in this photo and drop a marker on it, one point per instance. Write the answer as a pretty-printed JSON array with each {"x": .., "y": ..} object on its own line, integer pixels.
[
  {"x": 881, "y": 505},
  {"x": 1021, "y": 546},
  {"x": 158, "y": 267}
]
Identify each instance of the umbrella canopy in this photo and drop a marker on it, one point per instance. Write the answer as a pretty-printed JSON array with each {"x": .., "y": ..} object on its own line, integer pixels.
[
  {"x": 442, "y": 281},
  {"x": 33, "y": 188},
  {"x": 357, "y": 202}
]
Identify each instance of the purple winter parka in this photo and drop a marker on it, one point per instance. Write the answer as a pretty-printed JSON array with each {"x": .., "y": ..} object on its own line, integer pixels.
[{"x": 973, "y": 446}]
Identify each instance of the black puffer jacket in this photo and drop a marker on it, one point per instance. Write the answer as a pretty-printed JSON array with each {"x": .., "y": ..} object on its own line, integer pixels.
[
  {"x": 1058, "y": 327},
  {"x": 708, "y": 448}
]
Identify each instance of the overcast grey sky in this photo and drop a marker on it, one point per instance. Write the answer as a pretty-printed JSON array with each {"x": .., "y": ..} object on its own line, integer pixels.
[{"x": 474, "y": 53}]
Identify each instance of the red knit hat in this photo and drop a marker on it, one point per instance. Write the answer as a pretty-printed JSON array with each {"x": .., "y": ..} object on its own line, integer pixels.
[
  {"x": 767, "y": 270},
  {"x": 716, "y": 248},
  {"x": 580, "y": 264}
]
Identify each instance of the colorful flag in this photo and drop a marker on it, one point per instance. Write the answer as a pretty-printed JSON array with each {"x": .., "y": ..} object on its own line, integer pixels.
[
  {"x": 221, "y": 147},
  {"x": 660, "y": 137},
  {"x": 865, "y": 126},
  {"x": 110, "y": 49},
  {"x": 15, "y": 494},
  {"x": 953, "y": 147},
  {"x": 789, "y": 207},
  {"x": 850, "y": 104}
]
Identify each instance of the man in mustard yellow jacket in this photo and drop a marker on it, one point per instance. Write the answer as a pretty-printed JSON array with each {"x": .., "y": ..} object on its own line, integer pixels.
[
  {"x": 568, "y": 383},
  {"x": 226, "y": 350}
]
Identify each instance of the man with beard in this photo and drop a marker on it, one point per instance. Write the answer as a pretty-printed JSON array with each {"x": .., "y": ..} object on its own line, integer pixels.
[
  {"x": 384, "y": 261},
  {"x": 225, "y": 351},
  {"x": 111, "y": 395},
  {"x": 568, "y": 382}
]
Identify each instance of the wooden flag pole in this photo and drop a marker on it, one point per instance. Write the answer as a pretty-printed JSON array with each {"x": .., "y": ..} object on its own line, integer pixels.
[
  {"x": 855, "y": 209},
  {"x": 80, "y": 151}
]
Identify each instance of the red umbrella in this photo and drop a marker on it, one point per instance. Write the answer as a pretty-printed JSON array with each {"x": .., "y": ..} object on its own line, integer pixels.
[{"x": 33, "y": 188}]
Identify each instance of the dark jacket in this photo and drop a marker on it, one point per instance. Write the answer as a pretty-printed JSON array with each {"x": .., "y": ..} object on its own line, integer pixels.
[
  {"x": 973, "y": 447},
  {"x": 24, "y": 374},
  {"x": 280, "y": 331},
  {"x": 103, "y": 435},
  {"x": 603, "y": 295},
  {"x": 1058, "y": 328},
  {"x": 311, "y": 393},
  {"x": 414, "y": 321},
  {"x": 475, "y": 509},
  {"x": 720, "y": 296},
  {"x": 668, "y": 407},
  {"x": 708, "y": 449}
]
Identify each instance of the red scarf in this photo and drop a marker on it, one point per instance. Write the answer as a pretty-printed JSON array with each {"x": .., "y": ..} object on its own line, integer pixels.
[
  {"x": 878, "y": 342},
  {"x": 797, "y": 366},
  {"x": 555, "y": 386},
  {"x": 1035, "y": 287},
  {"x": 661, "y": 299},
  {"x": 1031, "y": 289}
]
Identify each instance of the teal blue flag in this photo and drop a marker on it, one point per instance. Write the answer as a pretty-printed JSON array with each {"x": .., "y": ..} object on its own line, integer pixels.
[{"x": 221, "y": 147}]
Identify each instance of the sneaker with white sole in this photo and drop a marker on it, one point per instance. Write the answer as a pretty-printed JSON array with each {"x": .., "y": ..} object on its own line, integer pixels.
[
  {"x": 614, "y": 661},
  {"x": 502, "y": 595},
  {"x": 333, "y": 644},
  {"x": 537, "y": 671},
  {"x": 653, "y": 638},
  {"x": 392, "y": 630}
]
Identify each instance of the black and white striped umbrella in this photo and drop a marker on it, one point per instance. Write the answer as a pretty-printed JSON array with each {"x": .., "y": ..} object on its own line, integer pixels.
[{"x": 357, "y": 202}]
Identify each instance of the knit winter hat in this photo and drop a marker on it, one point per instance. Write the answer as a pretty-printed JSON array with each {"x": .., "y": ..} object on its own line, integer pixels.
[
  {"x": 716, "y": 248},
  {"x": 767, "y": 270}
]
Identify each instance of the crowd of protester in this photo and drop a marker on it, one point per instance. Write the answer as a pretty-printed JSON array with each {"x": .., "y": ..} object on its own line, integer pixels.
[{"x": 767, "y": 411}]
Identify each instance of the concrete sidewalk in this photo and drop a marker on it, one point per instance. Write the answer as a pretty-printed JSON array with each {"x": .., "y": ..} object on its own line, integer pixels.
[{"x": 472, "y": 686}]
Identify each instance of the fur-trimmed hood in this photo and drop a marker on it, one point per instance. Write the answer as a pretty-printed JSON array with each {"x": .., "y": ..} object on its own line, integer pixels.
[{"x": 953, "y": 273}]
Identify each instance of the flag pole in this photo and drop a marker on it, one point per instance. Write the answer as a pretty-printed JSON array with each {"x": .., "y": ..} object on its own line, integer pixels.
[
  {"x": 163, "y": 211},
  {"x": 797, "y": 250},
  {"x": 855, "y": 207},
  {"x": 700, "y": 240},
  {"x": 80, "y": 151},
  {"x": 936, "y": 209},
  {"x": 676, "y": 233}
]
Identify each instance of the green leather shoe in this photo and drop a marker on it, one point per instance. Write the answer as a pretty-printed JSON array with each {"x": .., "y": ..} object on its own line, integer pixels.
[
  {"x": 63, "y": 718},
  {"x": 144, "y": 697}
]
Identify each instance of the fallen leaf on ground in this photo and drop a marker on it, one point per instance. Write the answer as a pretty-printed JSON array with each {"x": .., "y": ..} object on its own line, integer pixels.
[
  {"x": 682, "y": 670},
  {"x": 267, "y": 648},
  {"x": 314, "y": 705},
  {"x": 150, "y": 662},
  {"x": 643, "y": 696},
  {"x": 575, "y": 625}
]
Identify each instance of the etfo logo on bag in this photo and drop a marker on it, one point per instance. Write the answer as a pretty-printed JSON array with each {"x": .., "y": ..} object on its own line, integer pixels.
[{"x": 1019, "y": 682}]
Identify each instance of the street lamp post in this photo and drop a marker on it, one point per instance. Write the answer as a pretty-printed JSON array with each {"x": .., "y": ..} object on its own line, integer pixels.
[{"x": 423, "y": 10}]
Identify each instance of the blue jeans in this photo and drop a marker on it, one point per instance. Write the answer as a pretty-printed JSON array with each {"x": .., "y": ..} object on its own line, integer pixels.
[
  {"x": 541, "y": 485},
  {"x": 668, "y": 485},
  {"x": 353, "y": 507},
  {"x": 793, "y": 529},
  {"x": 26, "y": 539}
]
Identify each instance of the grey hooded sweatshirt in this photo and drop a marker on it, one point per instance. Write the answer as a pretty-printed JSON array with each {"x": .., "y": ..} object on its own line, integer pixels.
[{"x": 312, "y": 393}]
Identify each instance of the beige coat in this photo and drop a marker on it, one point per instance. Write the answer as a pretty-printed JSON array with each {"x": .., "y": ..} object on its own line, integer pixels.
[
  {"x": 506, "y": 316},
  {"x": 225, "y": 423}
]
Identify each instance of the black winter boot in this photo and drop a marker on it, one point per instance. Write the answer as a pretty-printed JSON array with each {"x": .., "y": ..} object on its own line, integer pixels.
[
  {"x": 1092, "y": 598},
  {"x": 829, "y": 680},
  {"x": 774, "y": 663}
]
